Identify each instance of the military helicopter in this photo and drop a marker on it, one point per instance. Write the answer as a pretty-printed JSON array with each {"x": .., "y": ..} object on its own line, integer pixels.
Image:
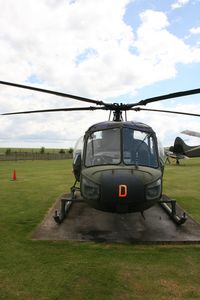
[{"x": 118, "y": 165}]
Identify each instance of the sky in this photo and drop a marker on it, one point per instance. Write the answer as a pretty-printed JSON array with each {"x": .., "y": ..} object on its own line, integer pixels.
[{"x": 116, "y": 51}]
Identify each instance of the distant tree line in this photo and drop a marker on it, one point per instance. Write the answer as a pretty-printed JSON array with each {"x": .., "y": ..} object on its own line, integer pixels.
[
  {"x": 40, "y": 153},
  {"x": 42, "y": 150}
]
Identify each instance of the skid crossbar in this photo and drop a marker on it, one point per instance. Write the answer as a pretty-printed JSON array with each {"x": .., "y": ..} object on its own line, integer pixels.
[{"x": 169, "y": 205}]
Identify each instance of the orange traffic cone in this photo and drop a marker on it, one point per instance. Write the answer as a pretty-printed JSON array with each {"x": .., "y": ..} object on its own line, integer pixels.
[{"x": 14, "y": 176}]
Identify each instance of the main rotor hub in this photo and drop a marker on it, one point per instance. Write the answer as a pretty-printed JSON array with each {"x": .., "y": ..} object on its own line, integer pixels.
[{"x": 117, "y": 109}]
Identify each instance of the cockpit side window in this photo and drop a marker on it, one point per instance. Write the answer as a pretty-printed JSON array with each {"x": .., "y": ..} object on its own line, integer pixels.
[
  {"x": 139, "y": 148},
  {"x": 103, "y": 147}
]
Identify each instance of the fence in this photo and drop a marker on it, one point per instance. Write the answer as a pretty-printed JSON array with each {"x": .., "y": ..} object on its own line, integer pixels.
[{"x": 34, "y": 156}]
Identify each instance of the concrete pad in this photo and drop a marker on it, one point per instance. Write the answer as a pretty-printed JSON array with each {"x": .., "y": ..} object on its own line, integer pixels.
[{"x": 84, "y": 223}]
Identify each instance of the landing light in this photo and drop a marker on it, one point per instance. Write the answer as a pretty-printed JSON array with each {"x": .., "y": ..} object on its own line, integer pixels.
[
  {"x": 90, "y": 190},
  {"x": 153, "y": 190}
]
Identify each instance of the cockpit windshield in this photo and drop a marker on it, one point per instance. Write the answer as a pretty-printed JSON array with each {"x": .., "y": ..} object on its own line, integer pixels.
[
  {"x": 103, "y": 147},
  {"x": 139, "y": 148},
  {"x": 116, "y": 145}
]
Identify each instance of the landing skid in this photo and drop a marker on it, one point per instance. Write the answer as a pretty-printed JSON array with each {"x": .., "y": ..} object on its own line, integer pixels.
[
  {"x": 169, "y": 205},
  {"x": 65, "y": 204}
]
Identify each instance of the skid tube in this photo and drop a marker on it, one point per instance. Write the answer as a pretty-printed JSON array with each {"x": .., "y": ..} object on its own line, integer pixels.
[
  {"x": 169, "y": 205},
  {"x": 65, "y": 204}
]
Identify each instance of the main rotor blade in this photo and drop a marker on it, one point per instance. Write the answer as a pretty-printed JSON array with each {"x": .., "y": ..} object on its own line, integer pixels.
[
  {"x": 54, "y": 110},
  {"x": 166, "y": 111},
  {"x": 165, "y": 97},
  {"x": 98, "y": 102}
]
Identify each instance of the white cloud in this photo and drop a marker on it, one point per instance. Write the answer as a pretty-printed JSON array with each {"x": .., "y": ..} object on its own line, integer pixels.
[
  {"x": 159, "y": 50},
  {"x": 83, "y": 48},
  {"x": 179, "y": 3},
  {"x": 47, "y": 41},
  {"x": 195, "y": 30}
]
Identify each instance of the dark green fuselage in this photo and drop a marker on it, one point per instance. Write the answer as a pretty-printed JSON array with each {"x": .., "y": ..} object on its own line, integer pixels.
[{"x": 122, "y": 177}]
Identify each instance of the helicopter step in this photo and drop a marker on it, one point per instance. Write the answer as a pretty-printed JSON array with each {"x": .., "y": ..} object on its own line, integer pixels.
[
  {"x": 169, "y": 205},
  {"x": 65, "y": 204}
]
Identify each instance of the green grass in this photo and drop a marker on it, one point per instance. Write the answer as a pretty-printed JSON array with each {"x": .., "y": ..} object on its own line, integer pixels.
[
  {"x": 183, "y": 183},
  {"x": 71, "y": 270}
]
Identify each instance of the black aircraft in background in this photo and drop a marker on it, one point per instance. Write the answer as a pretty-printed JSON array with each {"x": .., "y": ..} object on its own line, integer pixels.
[{"x": 181, "y": 150}]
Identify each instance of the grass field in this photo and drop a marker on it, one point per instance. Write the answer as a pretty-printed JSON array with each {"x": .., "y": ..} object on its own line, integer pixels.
[{"x": 38, "y": 270}]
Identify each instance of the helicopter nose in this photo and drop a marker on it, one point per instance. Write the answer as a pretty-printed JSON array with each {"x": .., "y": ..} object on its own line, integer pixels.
[{"x": 122, "y": 191}]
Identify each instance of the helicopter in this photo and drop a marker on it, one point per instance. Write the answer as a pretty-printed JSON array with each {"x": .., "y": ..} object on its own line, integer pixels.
[{"x": 118, "y": 165}]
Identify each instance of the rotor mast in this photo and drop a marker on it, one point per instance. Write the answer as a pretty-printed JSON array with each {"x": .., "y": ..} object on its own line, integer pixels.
[{"x": 117, "y": 110}]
